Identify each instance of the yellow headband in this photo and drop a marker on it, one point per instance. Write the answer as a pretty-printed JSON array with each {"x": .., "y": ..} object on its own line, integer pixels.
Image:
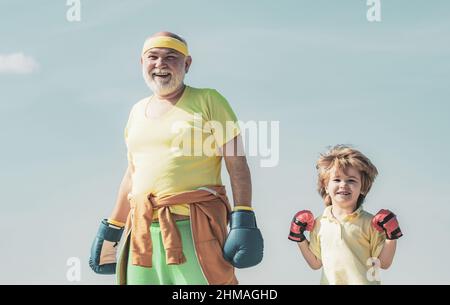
[{"x": 165, "y": 42}]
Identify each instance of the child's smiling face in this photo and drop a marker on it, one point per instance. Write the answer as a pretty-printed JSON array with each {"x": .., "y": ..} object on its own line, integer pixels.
[{"x": 344, "y": 187}]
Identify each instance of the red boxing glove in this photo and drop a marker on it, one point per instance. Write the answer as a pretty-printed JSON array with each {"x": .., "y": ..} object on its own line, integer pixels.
[
  {"x": 386, "y": 221},
  {"x": 303, "y": 220}
]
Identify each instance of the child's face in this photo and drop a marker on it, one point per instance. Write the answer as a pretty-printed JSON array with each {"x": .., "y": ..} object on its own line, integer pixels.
[{"x": 344, "y": 187}]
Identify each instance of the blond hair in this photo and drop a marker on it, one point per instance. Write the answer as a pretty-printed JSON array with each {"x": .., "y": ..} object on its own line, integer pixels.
[{"x": 342, "y": 157}]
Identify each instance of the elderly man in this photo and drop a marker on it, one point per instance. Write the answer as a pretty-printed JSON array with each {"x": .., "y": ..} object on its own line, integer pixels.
[{"x": 171, "y": 202}]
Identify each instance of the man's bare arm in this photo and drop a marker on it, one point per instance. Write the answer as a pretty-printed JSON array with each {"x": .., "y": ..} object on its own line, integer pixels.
[
  {"x": 122, "y": 207},
  {"x": 237, "y": 168}
]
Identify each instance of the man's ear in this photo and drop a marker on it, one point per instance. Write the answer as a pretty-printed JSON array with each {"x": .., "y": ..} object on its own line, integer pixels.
[
  {"x": 187, "y": 63},
  {"x": 141, "y": 60}
]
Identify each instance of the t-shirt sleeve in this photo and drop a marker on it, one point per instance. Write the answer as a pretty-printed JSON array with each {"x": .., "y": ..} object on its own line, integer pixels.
[
  {"x": 222, "y": 119},
  {"x": 314, "y": 240},
  {"x": 377, "y": 240}
]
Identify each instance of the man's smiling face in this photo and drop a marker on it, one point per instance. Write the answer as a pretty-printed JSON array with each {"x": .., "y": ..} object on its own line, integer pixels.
[{"x": 164, "y": 69}]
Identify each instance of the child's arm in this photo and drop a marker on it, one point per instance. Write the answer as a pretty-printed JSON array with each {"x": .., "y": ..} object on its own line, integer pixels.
[
  {"x": 304, "y": 221},
  {"x": 387, "y": 254},
  {"x": 387, "y": 221},
  {"x": 310, "y": 258}
]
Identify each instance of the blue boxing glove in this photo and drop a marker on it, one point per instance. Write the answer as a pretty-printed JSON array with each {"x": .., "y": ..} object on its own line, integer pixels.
[
  {"x": 104, "y": 248},
  {"x": 244, "y": 245}
]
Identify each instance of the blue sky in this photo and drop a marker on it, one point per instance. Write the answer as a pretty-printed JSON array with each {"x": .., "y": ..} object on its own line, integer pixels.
[{"x": 319, "y": 68}]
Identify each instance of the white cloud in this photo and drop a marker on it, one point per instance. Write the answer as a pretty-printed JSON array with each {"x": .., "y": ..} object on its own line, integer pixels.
[{"x": 17, "y": 63}]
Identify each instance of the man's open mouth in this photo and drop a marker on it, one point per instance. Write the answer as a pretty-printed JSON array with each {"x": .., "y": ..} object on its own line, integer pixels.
[{"x": 161, "y": 75}]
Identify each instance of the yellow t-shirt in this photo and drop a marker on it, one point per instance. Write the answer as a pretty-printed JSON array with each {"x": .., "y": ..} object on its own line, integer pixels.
[
  {"x": 346, "y": 249},
  {"x": 178, "y": 151}
]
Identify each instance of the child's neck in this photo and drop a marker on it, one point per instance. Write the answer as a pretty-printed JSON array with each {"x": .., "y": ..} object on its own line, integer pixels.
[{"x": 340, "y": 212}]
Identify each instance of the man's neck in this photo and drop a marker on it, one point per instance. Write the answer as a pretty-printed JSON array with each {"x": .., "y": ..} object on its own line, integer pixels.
[{"x": 172, "y": 97}]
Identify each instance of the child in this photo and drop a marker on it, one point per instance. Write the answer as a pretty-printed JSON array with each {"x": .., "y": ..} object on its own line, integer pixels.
[{"x": 348, "y": 242}]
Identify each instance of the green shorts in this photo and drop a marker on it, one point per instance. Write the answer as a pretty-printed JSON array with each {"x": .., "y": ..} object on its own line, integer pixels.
[{"x": 189, "y": 273}]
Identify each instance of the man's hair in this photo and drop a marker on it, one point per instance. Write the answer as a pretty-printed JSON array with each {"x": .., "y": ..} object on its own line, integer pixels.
[
  {"x": 168, "y": 34},
  {"x": 343, "y": 157}
]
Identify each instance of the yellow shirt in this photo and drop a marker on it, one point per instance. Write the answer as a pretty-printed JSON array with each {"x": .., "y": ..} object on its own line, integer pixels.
[
  {"x": 346, "y": 249},
  {"x": 178, "y": 151}
]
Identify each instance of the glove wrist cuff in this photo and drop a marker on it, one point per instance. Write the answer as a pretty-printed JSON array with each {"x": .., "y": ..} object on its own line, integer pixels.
[
  {"x": 242, "y": 208},
  {"x": 297, "y": 237},
  {"x": 396, "y": 234},
  {"x": 243, "y": 219},
  {"x": 116, "y": 223},
  {"x": 109, "y": 232}
]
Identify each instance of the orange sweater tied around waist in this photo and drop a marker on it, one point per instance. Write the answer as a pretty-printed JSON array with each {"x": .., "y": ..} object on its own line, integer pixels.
[{"x": 141, "y": 216}]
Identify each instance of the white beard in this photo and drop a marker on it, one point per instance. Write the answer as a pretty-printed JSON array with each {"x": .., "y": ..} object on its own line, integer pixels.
[{"x": 163, "y": 88}]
